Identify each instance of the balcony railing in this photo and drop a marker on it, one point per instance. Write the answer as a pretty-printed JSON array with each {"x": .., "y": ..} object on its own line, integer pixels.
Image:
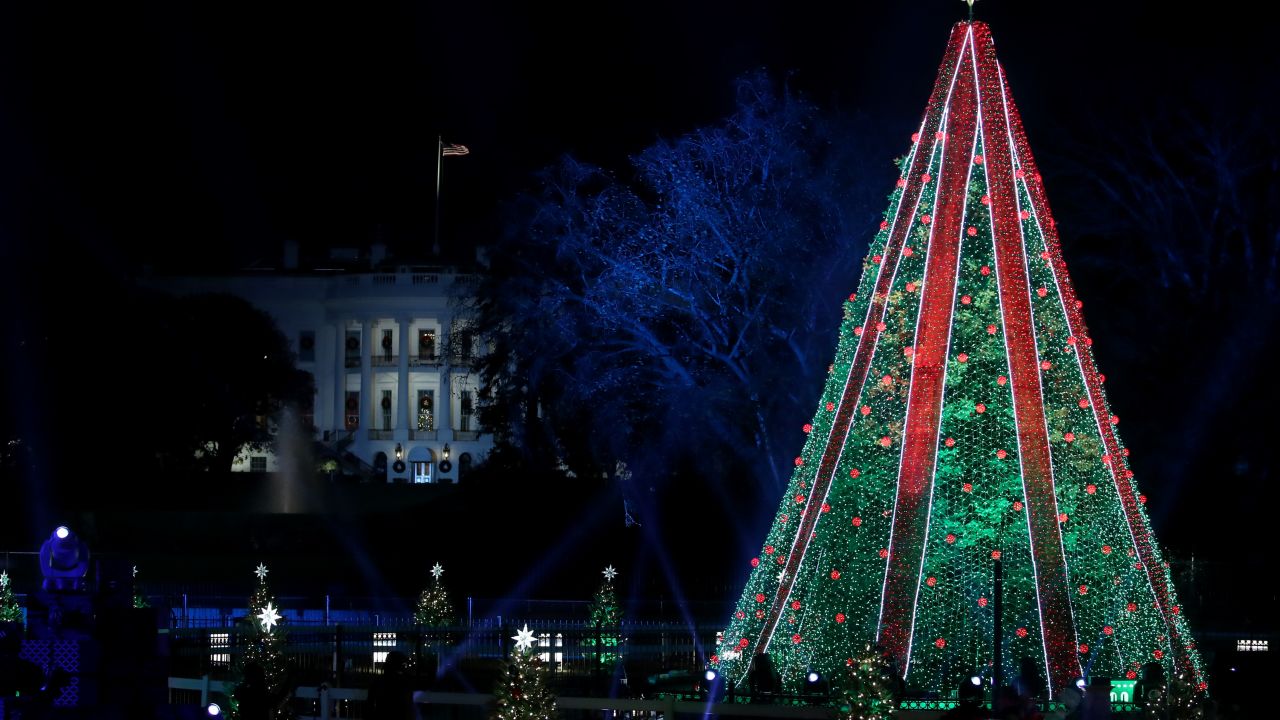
[
  {"x": 382, "y": 360},
  {"x": 466, "y": 435},
  {"x": 423, "y": 434},
  {"x": 352, "y": 361},
  {"x": 382, "y": 434},
  {"x": 422, "y": 360}
]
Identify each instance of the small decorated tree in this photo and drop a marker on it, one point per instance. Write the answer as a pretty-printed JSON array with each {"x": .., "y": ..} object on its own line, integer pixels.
[
  {"x": 434, "y": 608},
  {"x": 869, "y": 689},
  {"x": 10, "y": 610},
  {"x": 264, "y": 646},
  {"x": 522, "y": 693},
  {"x": 139, "y": 600},
  {"x": 604, "y": 635}
]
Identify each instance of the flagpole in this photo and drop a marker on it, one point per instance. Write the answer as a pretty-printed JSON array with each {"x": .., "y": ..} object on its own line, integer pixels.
[{"x": 435, "y": 244}]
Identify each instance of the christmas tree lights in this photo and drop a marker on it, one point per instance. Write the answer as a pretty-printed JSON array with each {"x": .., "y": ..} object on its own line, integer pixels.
[
  {"x": 963, "y": 424},
  {"x": 10, "y": 610},
  {"x": 434, "y": 608},
  {"x": 606, "y": 621},
  {"x": 522, "y": 692},
  {"x": 264, "y": 644}
]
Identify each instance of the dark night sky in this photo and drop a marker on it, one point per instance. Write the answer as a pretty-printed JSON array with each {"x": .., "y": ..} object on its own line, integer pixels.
[
  {"x": 205, "y": 134},
  {"x": 202, "y": 135}
]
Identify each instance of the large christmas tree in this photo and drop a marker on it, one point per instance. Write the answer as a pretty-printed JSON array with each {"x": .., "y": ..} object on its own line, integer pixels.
[{"x": 963, "y": 425}]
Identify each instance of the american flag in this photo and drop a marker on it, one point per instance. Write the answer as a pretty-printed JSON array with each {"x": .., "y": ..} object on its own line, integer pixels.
[{"x": 451, "y": 149}]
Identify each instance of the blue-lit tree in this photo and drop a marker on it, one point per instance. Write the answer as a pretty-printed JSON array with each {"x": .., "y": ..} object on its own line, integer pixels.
[{"x": 691, "y": 293}]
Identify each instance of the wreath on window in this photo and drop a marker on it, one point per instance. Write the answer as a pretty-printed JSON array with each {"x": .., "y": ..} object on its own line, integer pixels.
[
  {"x": 445, "y": 466},
  {"x": 353, "y": 343},
  {"x": 386, "y": 403},
  {"x": 352, "y": 404},
  {"x": 386, "y": 342},
  {"x": 398, "y": 466}
]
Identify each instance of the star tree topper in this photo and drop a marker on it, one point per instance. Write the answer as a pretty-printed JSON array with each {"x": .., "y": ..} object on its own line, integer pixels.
[
  {"x": 268, "y": 617},
  {"x": 437, "y": 571},
  {"x": 610, "y": 573},
  {"x": 261, "y": 572},
  {"x": 523, "y": 638},
  {"x": 4, "y": 578}
]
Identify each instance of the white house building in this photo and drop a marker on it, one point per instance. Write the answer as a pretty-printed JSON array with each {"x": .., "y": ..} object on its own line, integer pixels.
[{"x": 390, "y": 358}]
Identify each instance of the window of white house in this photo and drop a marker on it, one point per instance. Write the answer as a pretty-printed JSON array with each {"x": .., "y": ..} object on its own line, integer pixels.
[
  {"x": 258, "y": 463},
  {"x": 465, "y": 409},
  {"x": 426, "y": 410},
  {"x": 386, "y": 406}
]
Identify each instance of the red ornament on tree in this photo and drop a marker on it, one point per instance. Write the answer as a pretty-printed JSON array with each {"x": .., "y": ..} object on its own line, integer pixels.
[
  {"x": 835, "y": 574},
  {"x": 857, "y": 521},
  {"x": 941, "y": 643},
  {"x": 755, "y": 562},
  {"x": 980, "y": 408},
  {"x": 808, "y": 428},
  {"x": 854, "y": 473},
  {"x": 972, "y": 231},
  {"x": 931, "y": 581},
  {"x": 1021, "y": 632},
  {"x": 839, "y": 617}
]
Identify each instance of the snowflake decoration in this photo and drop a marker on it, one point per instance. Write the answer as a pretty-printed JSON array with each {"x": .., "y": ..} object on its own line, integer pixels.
[
  {"x": 437, "y": 571},
  {"x": 524, "y": 638},
  {"x": 4, "y": 578},
  {"x": 269, "y": 617},
  {"x": 135, "y": 571},
  {"x": 610, "y": 573},
  {"x": 261, "y": 572},
  {"x": 732, "y": 654},
  {"x": 782, "y": 576}
]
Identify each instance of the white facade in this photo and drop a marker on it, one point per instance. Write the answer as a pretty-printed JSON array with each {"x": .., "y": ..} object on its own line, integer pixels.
[{"x": 391, "y": 364}]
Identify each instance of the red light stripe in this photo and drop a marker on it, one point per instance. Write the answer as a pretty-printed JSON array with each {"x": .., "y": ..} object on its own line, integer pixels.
[
  {"x": 924, "y": 398},
  {"x": 1058, "y": 626}
]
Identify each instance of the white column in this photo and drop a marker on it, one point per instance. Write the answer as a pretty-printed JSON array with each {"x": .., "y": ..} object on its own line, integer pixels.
[
  {"x": 403, "y": 424},
  {"x": 340, "y": 373},
  {"x": 367, "y": 406},
  {"x": 444, "y": 400}
]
